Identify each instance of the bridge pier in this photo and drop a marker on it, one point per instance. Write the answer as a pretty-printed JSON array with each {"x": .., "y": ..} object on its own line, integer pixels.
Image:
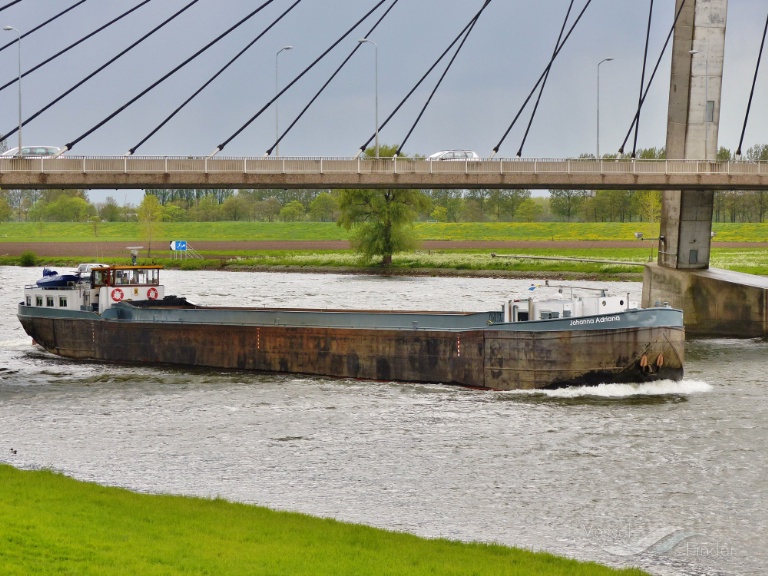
[{"x": 715, "y": 303}]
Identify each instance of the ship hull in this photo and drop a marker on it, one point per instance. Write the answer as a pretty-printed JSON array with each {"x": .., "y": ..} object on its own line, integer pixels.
[{"x": 634, "y": 346}]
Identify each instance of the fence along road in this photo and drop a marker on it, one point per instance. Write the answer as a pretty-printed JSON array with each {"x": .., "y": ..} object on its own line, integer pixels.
[{"x": 115, "y": 172}]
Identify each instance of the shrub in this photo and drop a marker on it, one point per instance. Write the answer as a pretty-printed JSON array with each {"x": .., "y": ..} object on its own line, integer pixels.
[{"x": 28, "y": 259}]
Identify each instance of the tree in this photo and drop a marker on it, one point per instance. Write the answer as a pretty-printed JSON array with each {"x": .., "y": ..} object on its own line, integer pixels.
[
  {"x": 451, "y": 200},
  {"x": 381, "y": 220},
  {"x": 150, "y": 213},
  {"x": 501, "y": 204},
  {"x": 68, "y": 209},
  {"x": 236, "y": 208},
  {"x": 648, "y": 204},
  {"x": 5, "y": 208},
  {"x": 266, "y": 209},
  {"x": 566, "y": 203},
  {"x": 207, "y": 210},
  {"x": 440, "y": 214},
  {"x": 292, "y": 212},
  {"x": 324, "y": 208},
  {"x": 175, "y": 213},
  {"x": 757, "y": 153},
  {"x": 529, "y": 210},
  {"x": 109, "y": 211},
  {"x": 607, "y": 206}
]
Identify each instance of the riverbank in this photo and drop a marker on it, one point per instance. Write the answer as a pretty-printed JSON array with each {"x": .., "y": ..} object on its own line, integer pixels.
[
  {"x": 577, "y": 260},
  {"x": 52, "y": 524},
  {"x": 223, "y": 248}
]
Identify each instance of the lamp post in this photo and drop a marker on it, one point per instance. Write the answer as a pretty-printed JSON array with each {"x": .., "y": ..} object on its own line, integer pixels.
[
  {"x": 598, "y": 104},
  {"x": 376, "y": 52},
  {"x": 8, "y": 29},
  {"x": 661, "y": 239},
  {"x": 706, "y": 100},
  {"x": 277, "y": 92}
]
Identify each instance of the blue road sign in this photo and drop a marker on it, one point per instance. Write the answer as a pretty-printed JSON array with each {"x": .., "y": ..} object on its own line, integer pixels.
[{"x": 179, "y": 245}]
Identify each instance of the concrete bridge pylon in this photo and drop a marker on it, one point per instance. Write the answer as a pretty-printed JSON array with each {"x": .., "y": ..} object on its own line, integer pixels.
[
  {"x": 714, "y": 302},
  {"x": 692, "y": 128}
]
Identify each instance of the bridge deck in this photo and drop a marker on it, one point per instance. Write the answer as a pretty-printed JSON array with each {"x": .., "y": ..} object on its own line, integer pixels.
[{"x": 325, "y": 173}]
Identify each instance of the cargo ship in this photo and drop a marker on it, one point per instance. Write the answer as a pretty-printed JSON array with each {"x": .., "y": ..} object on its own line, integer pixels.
[{"x": 122, "y": 314}]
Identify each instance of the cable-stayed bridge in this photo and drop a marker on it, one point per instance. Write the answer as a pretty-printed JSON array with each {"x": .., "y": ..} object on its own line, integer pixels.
[
  {"x": 689, "y": 176},
  {"x": 118, "y": 104}
]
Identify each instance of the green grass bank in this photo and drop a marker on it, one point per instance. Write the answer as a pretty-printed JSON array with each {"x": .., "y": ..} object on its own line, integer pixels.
[
  {"x": 51, "y": 524},
  {"x": 316, "y": 231}
]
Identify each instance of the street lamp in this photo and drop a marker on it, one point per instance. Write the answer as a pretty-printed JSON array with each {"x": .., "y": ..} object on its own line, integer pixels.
[
  {"x": 8, "y": 29},
  {"x": 661, "y": 239},
  {"x": 277, "y": 92},
  {"x": 598, "y": 104},
  {"x": 706, "y": 100},
  {"x": 376, "y": 47}
]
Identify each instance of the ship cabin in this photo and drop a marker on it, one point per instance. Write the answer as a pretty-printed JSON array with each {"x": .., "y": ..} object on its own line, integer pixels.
[
  {"x": 97, "y": 288},
  {"x": 574, "y": 306}
]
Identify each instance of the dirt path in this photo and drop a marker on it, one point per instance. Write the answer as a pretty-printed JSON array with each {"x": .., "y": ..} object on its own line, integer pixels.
[{"x": 95, "y": 250}]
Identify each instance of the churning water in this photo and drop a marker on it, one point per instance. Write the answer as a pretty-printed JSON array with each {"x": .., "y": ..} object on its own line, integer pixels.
[{"x": 670, "y": 476}]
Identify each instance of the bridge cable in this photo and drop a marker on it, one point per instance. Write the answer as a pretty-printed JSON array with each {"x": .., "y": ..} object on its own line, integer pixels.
[
  {"x": 221, "y": 146},
  {"x": 167, "y": 75},
  {"x": 415, "y": 87},
  {"x": 653, "y": 75},
  {"x": 99, "y": 69},
  {"x": 642, "y": 80},
  {"x": 212, "y": 78},
  {"x": 36, "y": 28},
  {"x": 541, "y": 78},
  {"x": 442, "y": 77},
  {"x": 68, "y": 48},
  {"x": 752, "y": 92},
  {"x": 544, "y": 83},
  {"x": 9, "y": 5},
  {"x": 327, "y": 83}
]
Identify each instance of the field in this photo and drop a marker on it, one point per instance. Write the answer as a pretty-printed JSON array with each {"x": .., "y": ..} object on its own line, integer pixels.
[
  {"x": 324, "y": 231},
  {"x": 445, "y": 248}
]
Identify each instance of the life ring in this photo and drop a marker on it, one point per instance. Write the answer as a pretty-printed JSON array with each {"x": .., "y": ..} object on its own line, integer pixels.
[
  {"x": 152, "y": 294},
  {"x": 117, "y": 294}
]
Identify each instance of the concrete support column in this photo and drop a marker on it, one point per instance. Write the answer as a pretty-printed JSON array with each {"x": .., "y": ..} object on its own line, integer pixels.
[{"x": 692, "y": 129}]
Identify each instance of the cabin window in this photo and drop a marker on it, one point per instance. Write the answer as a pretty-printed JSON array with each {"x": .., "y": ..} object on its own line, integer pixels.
[
  {"x": 38, "y": 300},
  {"x": 62, "y": 301},
  {"x": 49, "y": 301},
  {"x": 97, "y": 278},
  {"x": 29, "y": 300}
]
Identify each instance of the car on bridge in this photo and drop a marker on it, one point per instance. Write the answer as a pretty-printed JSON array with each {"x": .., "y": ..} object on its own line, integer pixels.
[
  {"x": 33, "y": 151},
  {"x": 454, "y": 155}
]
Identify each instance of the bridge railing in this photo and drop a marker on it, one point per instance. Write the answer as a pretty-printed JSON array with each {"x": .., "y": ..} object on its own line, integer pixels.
[{"x": 384, "y": 166}]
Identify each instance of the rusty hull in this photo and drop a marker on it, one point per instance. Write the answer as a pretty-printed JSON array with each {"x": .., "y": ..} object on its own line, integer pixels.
[{"x": 487, "y": 358}]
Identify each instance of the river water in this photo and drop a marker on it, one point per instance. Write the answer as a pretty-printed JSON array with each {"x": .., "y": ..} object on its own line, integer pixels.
[{"x": 671, "y": 477}]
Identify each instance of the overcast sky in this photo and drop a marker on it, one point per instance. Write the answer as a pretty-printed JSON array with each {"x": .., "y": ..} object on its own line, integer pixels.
[{"x": 498, "y": 66}]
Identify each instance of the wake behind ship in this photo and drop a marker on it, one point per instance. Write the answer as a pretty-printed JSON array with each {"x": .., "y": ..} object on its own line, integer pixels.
[{"x": 122, "y": 314}]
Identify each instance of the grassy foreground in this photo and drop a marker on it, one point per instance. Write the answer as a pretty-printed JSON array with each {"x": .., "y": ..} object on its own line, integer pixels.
[{"x": 51, "y": 524}]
